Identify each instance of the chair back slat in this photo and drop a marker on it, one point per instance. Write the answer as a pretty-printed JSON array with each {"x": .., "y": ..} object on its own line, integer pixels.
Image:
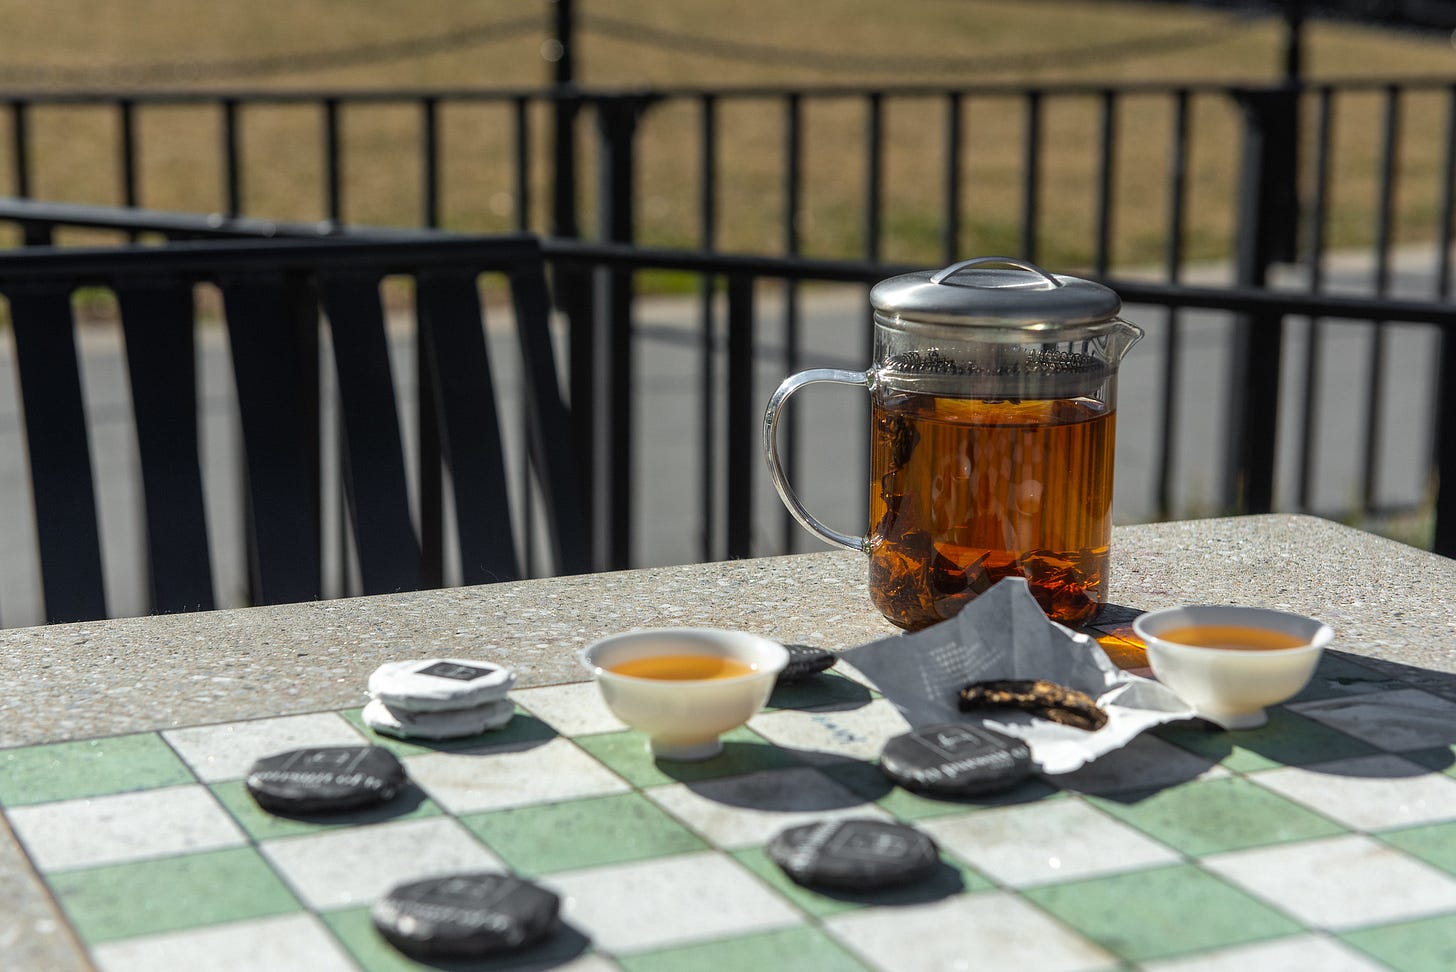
[
  {"x": 157, "y": 320},
  {"x": 448, "y": 307},
  {"x": 276, "y": 295},
  {"x": 275, "y": 368},
  {"x": 60, "y": 456},
  {"x": 374, "y": 475},
  {"x": 549, "y": 422}
]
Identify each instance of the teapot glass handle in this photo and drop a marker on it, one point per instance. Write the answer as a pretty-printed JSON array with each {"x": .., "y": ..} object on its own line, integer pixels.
[{"x": 771, "y": 450}]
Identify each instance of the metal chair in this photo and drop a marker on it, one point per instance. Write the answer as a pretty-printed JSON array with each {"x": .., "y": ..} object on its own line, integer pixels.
[{"x": 273, "y": 292}]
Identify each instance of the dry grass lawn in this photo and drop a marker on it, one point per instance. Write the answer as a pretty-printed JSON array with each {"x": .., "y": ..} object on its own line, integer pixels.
[{"x": 209, "y": 45}]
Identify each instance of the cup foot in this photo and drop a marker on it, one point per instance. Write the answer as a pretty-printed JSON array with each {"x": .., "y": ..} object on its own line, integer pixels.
[
  {"x": 693, "y": 752},
  {"x": 1241, "y": 720}
]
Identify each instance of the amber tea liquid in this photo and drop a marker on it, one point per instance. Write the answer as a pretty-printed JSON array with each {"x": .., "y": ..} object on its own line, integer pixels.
[
  {"x": 965, "y": 492},
  {"x": 682, "y": 668},
  {"x": 1232, "y": 637}
]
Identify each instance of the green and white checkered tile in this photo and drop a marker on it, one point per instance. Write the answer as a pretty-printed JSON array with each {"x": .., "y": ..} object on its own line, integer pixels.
[{"x": 1326, "y": 839}]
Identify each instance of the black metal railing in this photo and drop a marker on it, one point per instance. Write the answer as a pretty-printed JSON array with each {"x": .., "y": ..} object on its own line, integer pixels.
[
  {"x": 1197, "y": 119},
  {"x": 1295, "y": 149},
  {"x": 732, "y": 403},
  {"x": 605, "y": 339},
  {"x": 1300, "y": 154},
  {"x": 728, "y": 346}
]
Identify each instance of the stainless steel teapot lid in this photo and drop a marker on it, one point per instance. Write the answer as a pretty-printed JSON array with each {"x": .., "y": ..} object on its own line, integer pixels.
[{"x": 1026, "y": 298}]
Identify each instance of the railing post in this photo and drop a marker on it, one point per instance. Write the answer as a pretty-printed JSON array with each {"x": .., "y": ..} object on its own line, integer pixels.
[
  {"x": 708, "y": 285},
  {"x": 617, "y": 119},
  {"x": 1444, "y": 541},
  {"x": 571, "y": 288},
  {"x": 1265, "y": 231}
]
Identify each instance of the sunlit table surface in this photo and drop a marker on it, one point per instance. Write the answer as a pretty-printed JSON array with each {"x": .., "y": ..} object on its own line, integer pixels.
[{"x": 1325, "y": 840}]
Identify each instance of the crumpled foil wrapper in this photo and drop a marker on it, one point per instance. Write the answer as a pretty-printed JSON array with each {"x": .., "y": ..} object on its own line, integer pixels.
[{"x": 1003, "y": 634}]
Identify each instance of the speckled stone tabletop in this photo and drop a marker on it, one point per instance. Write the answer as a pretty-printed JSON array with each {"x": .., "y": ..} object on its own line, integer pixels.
[
  {"x": 1387, "y": 601},
  {"x": 1391, "y": 605}
]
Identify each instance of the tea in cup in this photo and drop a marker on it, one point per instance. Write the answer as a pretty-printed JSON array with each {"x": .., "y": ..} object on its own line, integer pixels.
[
  {"x": 685, "y": 687},
  {"x": 1230, "y": 662}
]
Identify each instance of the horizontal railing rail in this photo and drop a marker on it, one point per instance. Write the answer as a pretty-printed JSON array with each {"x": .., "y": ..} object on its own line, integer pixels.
[
  {"x": 39, "y": 221},
  {"x": 1133, "y": 291},
  {"x": 1018, "y": 116},
  {"x": 602, "y": 331},
  {"x": 745, "y": 319}
]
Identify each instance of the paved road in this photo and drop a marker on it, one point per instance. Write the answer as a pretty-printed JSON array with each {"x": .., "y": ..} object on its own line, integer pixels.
[{"x": 832, "y": 441}]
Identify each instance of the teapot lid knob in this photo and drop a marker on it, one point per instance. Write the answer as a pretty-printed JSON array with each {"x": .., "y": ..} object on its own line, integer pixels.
[{"x": 940, "y": 275}]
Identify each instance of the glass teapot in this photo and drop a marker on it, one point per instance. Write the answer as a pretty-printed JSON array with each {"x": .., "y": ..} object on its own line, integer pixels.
[{"x": 993, "y": 407}]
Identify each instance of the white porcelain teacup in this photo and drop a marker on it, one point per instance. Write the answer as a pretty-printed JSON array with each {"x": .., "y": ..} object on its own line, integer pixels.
[
  {"x": 1276, "y": 655},
  {"x": 685, "y": 687}
]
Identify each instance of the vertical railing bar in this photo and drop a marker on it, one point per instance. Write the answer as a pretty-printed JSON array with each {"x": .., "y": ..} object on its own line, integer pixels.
[
  {"x": 20, "y": 146},
  {"x": 1106, "y": 183},
  {"x": 431, "y": 454},
  {"x": 1448, "y": 199},
  {"x": 1030, "y": 165},
  {"x": 126, "y": 118},
  {"x": 521, "y": 143},
  {"x": 708, "y": 172},
  {"x": 522, "y": 134},
  {"x": 1173, "y": 267},
  {"x": 1375, "y": 376},
  {"x": 32, "y": 234},
  {"x": 1315, "y": 233},
  {"x": 621, "y": 434},
  {"x": 618, "y": 117},
  {"x": 873, "y": 177},
  {"x": 793, "y": 338},
  {"x": 332, "y": 212},
  {"x": 1443, "y": 292},
  {"x": 1255, "y": 375},
  {"x": 1178, "y": 186},
  {"x": 1386, "y": 210},
  {"x": 742, "y": 465},
  {"x": 1444, "y": 539},
  {"x": 707, "y": 239},
  {"x": 951, "y": 232},
  {"x": 333, "y": 190},
  {"x": 874, "y": 172},
  {"x": 583, "y": 301},
  {"x": 1320, "y": 203},
  {"x": 430, "y": 162},
  {"x": 231, "y": 169}
]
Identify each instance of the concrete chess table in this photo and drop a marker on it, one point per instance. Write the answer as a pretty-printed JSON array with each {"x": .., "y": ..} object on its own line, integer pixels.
[{"x": 1325, "y": 840}]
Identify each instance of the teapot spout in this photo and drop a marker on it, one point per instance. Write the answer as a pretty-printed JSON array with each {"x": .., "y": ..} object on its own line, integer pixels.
[{"x": 1121, "y": 339}]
